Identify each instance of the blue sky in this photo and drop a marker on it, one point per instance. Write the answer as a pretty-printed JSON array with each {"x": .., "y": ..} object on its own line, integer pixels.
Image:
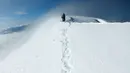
[
  {"x": 22, "y": 7},
  {"x": 14, "y": 12}
]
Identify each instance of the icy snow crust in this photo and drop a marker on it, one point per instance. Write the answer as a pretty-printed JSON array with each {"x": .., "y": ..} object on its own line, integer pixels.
[{"x": 94, "y": 48}]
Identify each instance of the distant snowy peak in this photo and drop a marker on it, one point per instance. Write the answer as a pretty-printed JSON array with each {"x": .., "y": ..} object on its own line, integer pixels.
[
  {"x": 14, "y": 29},
  {"x": 82, "y": 19}
]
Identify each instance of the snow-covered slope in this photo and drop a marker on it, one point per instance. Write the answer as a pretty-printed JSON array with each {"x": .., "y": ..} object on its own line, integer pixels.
[
  {"x": 91, "y": 47},
  {"x": 13, "y": 37}
]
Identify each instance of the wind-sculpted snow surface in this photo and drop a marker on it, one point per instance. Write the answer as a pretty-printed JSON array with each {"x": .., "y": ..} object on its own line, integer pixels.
[
  {"x": 87, "y": 47},
  {"x": 100, "y": 48}
]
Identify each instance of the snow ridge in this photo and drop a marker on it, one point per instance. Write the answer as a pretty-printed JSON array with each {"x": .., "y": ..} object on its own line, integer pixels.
[
  {"x": 82, "y": 19},
  {"x": 66, "y": 52}
]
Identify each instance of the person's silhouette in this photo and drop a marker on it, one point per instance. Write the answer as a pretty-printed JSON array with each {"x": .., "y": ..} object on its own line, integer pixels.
[{"x": 63, "y": 17}]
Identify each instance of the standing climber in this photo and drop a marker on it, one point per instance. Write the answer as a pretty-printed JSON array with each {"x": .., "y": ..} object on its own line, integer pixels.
[{"x": 63, "y": 17}]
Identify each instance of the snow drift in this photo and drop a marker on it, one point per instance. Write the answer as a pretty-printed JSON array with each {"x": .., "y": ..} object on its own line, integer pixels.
[{"x": 56, "y": 47}]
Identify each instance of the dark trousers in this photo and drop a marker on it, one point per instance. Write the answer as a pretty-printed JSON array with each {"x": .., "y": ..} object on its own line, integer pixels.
[{"x": 63, "y": 19}]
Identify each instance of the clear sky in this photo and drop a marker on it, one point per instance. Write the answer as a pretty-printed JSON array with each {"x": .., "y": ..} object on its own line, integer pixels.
[
  {"x": 19, "y": 11},
  {"x": 13, "y": 12}
]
